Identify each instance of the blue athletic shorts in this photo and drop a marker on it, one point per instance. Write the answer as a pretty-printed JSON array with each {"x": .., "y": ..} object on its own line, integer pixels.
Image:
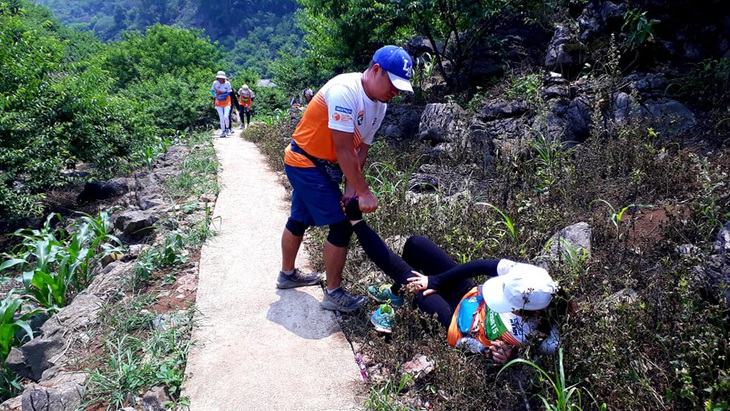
[{"x": 315, "y": 198}]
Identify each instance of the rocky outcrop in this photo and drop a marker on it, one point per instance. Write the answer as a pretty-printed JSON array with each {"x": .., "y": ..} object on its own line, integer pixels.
[{"x": 715, "y": 274}]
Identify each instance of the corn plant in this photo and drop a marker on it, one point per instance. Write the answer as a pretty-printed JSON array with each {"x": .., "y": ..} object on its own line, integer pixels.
[
  {"x": 10, "y": 324},
  {"x": 616, "y": 216},
  {"x": 549, "y": 161},
  {"x": 506, "y": 222},
  {"x": 130, "y": 364},
  {"x": 54, "y": 262},
  {"x": 567, "y": 398},
  {"x": 274, "y": 118}
]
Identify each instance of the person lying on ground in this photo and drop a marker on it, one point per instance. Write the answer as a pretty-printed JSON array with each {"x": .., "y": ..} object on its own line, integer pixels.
[{"x": 495, "y": 318}]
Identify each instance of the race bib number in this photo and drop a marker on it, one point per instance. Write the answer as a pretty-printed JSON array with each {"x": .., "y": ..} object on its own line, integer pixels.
[{"x": 493, "y": 325}]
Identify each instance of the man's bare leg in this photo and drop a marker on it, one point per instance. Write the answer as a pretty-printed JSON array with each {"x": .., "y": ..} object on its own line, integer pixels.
[
  {"x": 289, "y": 248},
  {"x": 334, "y": 263},
  {"x": 289, "y": 277}
]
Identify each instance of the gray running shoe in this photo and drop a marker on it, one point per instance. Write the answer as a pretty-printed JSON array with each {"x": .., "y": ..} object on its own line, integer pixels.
[
  {"x": 296, "y": 279},
  {"x": 342, "y": 301}
]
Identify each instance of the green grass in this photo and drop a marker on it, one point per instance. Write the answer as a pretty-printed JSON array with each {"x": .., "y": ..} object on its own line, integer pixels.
[
  {"x": 130, "y": 364},
  {"x": 197, "y": 177},
  {"x": 563, "y": 397}
]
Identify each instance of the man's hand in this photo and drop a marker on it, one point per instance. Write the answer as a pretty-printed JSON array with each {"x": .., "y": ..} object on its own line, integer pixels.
[{"x": 368, "y": 202}]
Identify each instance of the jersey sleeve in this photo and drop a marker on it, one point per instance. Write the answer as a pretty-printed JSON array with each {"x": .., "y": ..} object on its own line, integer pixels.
[{"x": 341, "y": 106}]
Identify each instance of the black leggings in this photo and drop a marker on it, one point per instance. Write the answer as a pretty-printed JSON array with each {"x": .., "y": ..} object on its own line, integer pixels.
[
  {"x": 422, "y": 255},
  {"x": 245, "y": 111}
]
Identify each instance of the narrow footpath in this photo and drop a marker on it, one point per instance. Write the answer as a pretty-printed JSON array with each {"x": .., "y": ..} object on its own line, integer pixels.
[{"x": 258, "y": 347}]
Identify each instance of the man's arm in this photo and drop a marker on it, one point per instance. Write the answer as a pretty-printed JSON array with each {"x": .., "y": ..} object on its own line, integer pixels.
[
  {"x": 362, "y": 157},
  {"x": 351, "y": 163}
]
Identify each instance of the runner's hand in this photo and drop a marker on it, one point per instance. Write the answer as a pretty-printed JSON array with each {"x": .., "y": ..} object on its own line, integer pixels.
[
  {"x": 420, "y": 283},
  {"x": 501, "y": 352}
]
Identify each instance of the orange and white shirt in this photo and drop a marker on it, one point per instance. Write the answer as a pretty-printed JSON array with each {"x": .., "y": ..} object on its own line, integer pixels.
[
  {"x": 340, "y": 105},
  {"x": 220, "y": 88},
  {"x": 245, "y": 97}
]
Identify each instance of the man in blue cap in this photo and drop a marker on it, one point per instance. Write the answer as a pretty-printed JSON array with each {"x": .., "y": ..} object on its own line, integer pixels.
[{"x": 332, "y": 140}]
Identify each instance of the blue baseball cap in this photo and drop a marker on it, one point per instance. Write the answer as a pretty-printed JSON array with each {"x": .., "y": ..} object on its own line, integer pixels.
[{"x": 397, "y": 63}]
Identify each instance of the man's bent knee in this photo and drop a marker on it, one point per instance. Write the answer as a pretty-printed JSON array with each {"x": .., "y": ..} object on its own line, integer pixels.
[
  {"x": 296, "y": 227},
  {"x": 339, "y": 235}
]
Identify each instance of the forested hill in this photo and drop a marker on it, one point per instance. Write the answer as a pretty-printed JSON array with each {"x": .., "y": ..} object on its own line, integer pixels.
[
  {"x": 223, "y": 20},
  {"x": 252, "y": 31}
]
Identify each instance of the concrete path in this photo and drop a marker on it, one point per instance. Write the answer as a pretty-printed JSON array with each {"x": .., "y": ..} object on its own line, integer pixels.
[{"x": 260, "y": 348}]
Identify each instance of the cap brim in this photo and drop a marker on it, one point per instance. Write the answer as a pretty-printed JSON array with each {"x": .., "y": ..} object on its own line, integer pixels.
[
  {"x": 400, "y": 83},
  {"x": 493, "y": 293}
]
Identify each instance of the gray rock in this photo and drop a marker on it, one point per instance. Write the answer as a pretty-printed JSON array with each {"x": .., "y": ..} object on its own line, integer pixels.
[
  {"x": 48, "y": 349},
  {"x": 401, "y": 122},
  {"x": 13, "y": 404},
  {"x": 101, "y": 190},
  {"x": 579, "y": 120},
  {"x": 565, "y": 54},
  {"x": 63, "y": 393},
  {"x": 423, "y": 183},
  {"x": 444, "y": 120},
  {"x": 571, "y": 242},
  {"x": 136, "y": 224},
  {"x": 155, "y": 399},
  {"x": 669, "y": 116}
]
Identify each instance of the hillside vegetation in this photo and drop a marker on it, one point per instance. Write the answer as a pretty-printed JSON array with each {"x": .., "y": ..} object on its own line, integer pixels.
[
  {"x": 249, "y": 33},
  {"x": 651, "y": 329}
]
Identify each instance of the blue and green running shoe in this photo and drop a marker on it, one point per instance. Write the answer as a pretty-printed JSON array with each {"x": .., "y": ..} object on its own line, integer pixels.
[
  {"x": 382, "y": 318},
  {"x": 383, "y": 294}
]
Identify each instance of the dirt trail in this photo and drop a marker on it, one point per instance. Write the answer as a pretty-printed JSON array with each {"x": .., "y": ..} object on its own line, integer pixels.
[{"x": 260, "y": 348}]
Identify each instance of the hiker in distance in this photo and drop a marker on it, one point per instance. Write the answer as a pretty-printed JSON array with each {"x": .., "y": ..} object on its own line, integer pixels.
[
  {"x": 245, "y": 101},
  {"x": 514, "y": 304},
  {"x": 333, "y": 139},
  {"x": 221, "y": 90}
]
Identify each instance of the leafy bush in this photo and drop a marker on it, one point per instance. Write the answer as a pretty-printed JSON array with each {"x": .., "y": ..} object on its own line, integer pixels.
[{"x": 57, "y": 113}]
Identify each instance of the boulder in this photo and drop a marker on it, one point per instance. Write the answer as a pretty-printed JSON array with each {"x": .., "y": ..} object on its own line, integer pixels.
[{"x": 102, "y": 190}]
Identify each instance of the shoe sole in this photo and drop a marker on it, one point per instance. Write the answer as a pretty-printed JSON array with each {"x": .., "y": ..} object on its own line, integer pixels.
[
  {"x": 291, "y": 284},
  {"x": 334, "y": 307},
  {"x": 380, "y": 329}
]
